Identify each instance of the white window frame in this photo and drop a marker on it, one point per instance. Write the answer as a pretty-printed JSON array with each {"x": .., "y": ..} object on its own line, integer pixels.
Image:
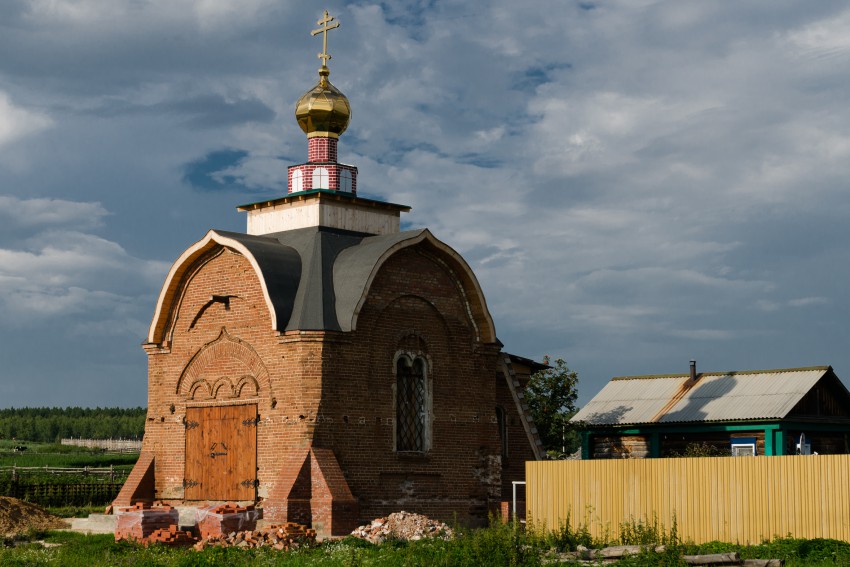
[
  {"x": 297, "y": 181},
  {"x": 321, "y": 178},
  {"x": 750, "y": 446}
]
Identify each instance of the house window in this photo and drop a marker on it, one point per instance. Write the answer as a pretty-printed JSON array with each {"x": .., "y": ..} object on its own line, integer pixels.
[
  {"x": 345, "y": 180},
  {"x": 744, "y": 447},
  {"x": 411, "y": 404},
  {"x": 320, "y": 178},
  {"x": 297, "y": 181}
]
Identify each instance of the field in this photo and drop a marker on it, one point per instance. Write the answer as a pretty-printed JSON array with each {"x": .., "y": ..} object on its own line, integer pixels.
[
  {"x": 55, "y": 455},
  {"x": 88, "y": 479}
]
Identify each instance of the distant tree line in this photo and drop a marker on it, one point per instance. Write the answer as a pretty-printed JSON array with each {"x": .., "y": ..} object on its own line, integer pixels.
[{"x": 49, "y": 425}]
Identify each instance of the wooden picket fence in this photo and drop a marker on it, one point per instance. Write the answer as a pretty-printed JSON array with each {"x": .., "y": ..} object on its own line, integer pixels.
[{"x": 109, "y": 445}]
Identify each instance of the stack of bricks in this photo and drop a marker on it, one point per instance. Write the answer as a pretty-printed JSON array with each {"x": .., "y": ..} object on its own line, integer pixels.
[
  {"x": 140, "y": 521},
  {"x": 280, "y": 537},
  {"x": 226, "y": 519},
  {"x": 171, "y": 536}
]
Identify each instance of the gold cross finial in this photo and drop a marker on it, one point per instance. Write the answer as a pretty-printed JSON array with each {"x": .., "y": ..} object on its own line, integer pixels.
[{"x": 324, "y": 22}]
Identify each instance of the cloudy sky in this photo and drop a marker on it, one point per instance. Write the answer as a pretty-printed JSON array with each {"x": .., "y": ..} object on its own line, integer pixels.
[{"x": 635, "y": 183}]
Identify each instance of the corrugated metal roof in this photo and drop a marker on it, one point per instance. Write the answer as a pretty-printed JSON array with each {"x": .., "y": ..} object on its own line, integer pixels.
[
  {"x": 722, "y": 396},
  {"x": 630, "y": 401}
]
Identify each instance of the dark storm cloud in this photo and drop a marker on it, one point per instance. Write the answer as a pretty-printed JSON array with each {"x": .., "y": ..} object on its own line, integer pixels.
[
  {"x": 203, "y": 111},
  {"x": 635, "y": 184},
  {"x": 209, "y": 173},
  {"x": 213, "y": 111}
]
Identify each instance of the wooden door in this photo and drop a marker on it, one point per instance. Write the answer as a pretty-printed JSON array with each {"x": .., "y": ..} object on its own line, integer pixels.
[{"x": 221, "y": 453}]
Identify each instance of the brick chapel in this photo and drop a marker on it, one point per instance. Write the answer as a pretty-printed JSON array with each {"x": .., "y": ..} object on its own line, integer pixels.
[{"x": 326, "y": 365}]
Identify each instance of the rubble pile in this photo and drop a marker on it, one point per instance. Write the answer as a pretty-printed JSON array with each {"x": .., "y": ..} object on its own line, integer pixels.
[
  {"x": 402, "y": 525},
  {"x": 139, "y": 522},
  {"x": 281, "y": 537}
]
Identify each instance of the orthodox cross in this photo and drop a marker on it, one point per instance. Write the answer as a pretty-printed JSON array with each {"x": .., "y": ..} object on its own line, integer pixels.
[{"x": 327, "y": 19}]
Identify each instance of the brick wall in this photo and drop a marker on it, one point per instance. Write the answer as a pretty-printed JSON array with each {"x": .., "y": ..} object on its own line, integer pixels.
[
  {"x": 334, "y": 176},
  {"x": 214, "y": 346},
  {"x": 334, "y": 392},
  {"x": 518, "y": 446},
  {"x": 320, "y": 149},
  {"x": 415, "y": 305}
]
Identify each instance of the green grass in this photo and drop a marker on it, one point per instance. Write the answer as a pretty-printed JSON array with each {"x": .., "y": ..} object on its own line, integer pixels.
[
  {"x": 497, "y": 545},
  {"x": 76, "y": 511},
  {"x": 55, "y": 455}
]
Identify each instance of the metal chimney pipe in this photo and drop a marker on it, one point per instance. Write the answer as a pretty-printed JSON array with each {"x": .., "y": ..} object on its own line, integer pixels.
[{"x": 693, "y": 371}]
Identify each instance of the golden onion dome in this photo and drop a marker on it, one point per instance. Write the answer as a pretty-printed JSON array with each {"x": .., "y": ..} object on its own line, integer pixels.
[{"x": 323, "y": 110}]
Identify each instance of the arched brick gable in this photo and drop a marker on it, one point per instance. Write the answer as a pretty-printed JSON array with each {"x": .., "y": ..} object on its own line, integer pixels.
[
  {"x": 276, "y": 266},
  {"x": 440, "y": 252}
]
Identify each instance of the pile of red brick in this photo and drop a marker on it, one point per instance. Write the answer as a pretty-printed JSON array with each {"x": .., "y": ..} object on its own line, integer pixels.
[
  {"x": 227, "y": 525},
  {"x": 281, "y": 537},
  {"x": 171, "y": 536},
  {"x": 139, "y": 522},
  {"x": 226, "y": 519}
]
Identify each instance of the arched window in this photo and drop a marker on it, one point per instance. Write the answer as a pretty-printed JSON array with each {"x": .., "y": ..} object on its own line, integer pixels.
[
  {"x": 297, "y": 181},
  {"x": 345, "y": 180},
  {"x": 411, "y": 405},
  {"x": 320, "y": 178}
]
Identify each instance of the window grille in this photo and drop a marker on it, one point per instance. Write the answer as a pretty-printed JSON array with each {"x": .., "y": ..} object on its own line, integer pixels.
[{"x": 411, "y": 406}]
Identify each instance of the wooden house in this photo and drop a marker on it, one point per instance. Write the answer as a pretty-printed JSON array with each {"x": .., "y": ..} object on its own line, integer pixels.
[{"x": 762, "y": 412}]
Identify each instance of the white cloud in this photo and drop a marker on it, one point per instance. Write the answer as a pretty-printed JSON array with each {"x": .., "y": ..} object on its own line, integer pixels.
[
  {"x": 74, "y": 12},
  {"x": 68, "y": 272},
  {"x": 630, "y": 182},
  {"x": 225, "y": 14},
  {"x": 807, "y": 301},
  {"x": 208, "y": 14},
  {"x": 18, "y": 213},
  {"x": 826, "y": 38},
  {"x": 17, "y": 122}
]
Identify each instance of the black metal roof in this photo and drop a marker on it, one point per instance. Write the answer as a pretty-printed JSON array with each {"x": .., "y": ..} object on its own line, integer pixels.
[{"x": 316, "y": 276}]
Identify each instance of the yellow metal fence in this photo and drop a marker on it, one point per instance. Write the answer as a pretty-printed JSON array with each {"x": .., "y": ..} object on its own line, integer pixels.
[{"x": 734, "y": 499}]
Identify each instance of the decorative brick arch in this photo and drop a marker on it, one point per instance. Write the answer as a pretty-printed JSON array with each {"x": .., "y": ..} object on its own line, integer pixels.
[{"x": 253, "y": 376}]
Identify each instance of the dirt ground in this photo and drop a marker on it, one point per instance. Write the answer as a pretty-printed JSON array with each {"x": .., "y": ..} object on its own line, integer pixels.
[{"x": 17, "y": 516}]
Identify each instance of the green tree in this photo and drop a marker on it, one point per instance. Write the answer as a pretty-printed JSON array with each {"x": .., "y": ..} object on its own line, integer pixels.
[{"x": 551, "y": 396}]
